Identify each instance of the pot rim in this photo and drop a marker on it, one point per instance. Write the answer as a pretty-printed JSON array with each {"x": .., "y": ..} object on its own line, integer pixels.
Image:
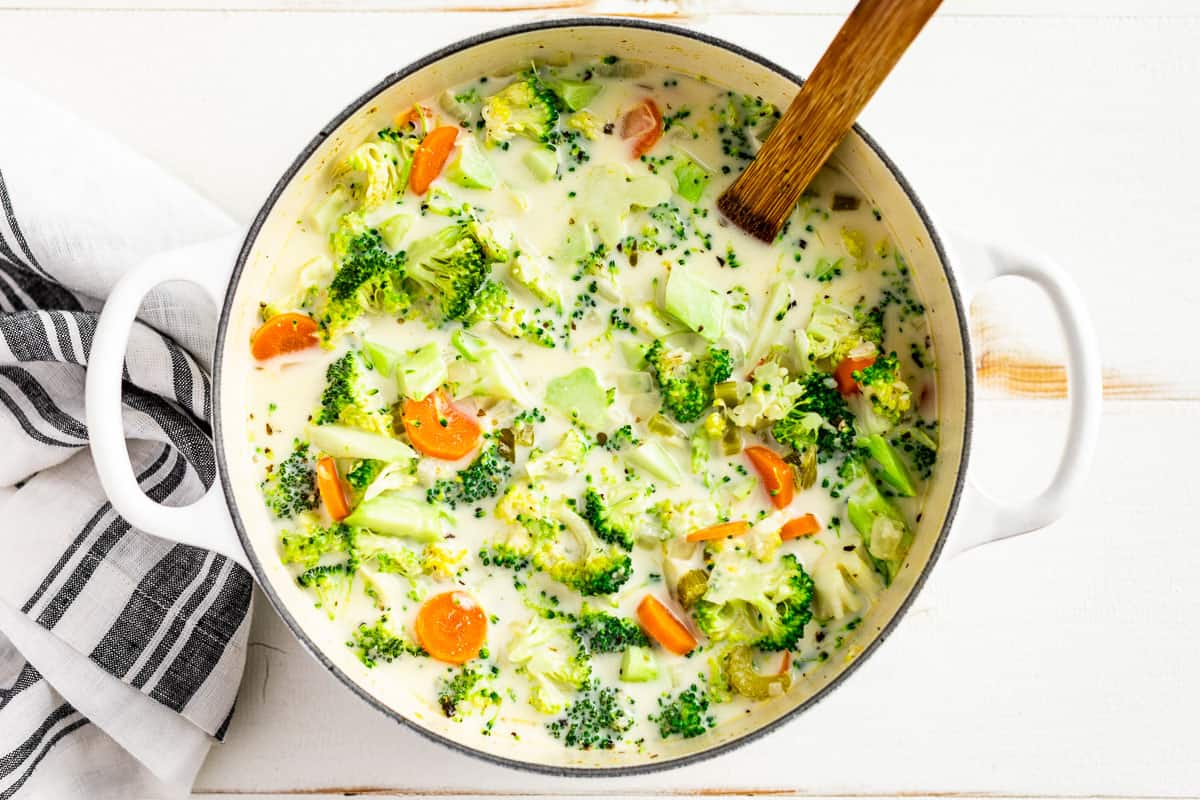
[{"x": 298, "y": 631}]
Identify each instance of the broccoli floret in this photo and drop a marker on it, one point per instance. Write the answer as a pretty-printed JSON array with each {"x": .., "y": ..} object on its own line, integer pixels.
[
  {"x": 888, "y": 396},
  {"x": 464, "y": 687},
  {"x": 833, "y": 332},
  {"x": 687, "y": 381},
  {"x": 291, "y": 487},
  {"x": 558, "y": 542},
  {"x": 523, "y": 108},
  {"x": 479, "y": 481},
  {"x": 771, "y": 396},
  {"x": 612, "y": 524},
  {"x": 619, "y": 439},
  {"x": 376, "y": 643},
  {"x": 307, "y": 548},
  {"x": 544, "y": 651},
  {"x": 818, "y": 419},
  {"x": 495, "y": 304},
  {"x": 331, "y": 583},
  {"x": 884, "y": 532},
  {"x": 598, "y": 632},
  {"x": 561, "y": 462},
  {"x": 686, "y": 714},
  {"x": 368, "y": 278},
  {"x": 749, "y": 602},
  {"x": 596, "y": 719},
  {"x": 364, "y": 472},
  {"x": 452, "y": 265},
  {"x": 344, "y": 399},
  {"x": 381, "y": 169}
]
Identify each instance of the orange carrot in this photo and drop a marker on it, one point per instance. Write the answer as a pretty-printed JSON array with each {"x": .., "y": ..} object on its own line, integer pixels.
[
  {"x": 329, "y": 485},
  {"x": 413, "y": 115},
  {"x": 720, "y": 531},
  {"x": 430, "y": 157},
  {"x": 283, "y": 333},
  {"x": 452, "y": 627},
  {"x": 438, "y": 428},
  {"x": 662, "y": 626},
  {"x": 805, "y": 525},
  {"x": 644, "y": 125},
  {"x": 786, "y": 663},
  {"x": 775, "y": 473},
  {"x": 844, "y": 374}
]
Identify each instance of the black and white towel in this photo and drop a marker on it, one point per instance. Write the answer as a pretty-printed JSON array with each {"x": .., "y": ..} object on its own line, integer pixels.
[{"x": 120, "y": 653}]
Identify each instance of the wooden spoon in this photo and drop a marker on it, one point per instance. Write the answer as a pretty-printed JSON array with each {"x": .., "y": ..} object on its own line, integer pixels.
[{"x": 869, "y": 44}]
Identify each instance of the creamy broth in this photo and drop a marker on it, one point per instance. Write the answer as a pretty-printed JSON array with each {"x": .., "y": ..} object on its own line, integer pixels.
[{"x": 589, "y": 231}]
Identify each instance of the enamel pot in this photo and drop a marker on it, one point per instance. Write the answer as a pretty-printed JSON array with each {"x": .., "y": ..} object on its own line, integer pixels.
[{"x": 232, "y": 520}]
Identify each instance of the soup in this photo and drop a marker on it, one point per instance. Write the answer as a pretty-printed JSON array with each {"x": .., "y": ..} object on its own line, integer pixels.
[{"x": 559, "y": 451}]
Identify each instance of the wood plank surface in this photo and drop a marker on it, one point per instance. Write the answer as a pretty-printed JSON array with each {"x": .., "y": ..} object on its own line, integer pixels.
[{"x": 1058, "y": 664}]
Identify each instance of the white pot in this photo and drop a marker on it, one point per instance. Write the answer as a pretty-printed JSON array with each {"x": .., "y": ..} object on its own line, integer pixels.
[{"x": 231, "y": 518}]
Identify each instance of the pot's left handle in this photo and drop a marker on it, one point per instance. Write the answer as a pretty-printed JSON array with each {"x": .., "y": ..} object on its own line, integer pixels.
[{"x": 205, "y": 523}]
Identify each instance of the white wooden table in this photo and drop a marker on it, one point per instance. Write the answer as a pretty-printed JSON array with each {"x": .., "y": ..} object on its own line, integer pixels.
[{"x": 1063, "y": 663}]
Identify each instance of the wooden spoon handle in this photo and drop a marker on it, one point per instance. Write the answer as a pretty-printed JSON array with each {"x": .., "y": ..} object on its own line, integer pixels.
[{"x": 869, "y": 44}]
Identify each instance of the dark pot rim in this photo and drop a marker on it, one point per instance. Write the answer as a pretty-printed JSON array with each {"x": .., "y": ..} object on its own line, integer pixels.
[{"x": 298, "y": 630}]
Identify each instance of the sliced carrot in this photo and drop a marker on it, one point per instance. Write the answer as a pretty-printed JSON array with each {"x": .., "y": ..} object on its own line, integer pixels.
[
  {"x": 786, "y": 663},
  {"x": 776, "y": 475},
  {"x": 805, "y": 525},
  {"x": 644, "y": 125},
  {"x": 283, "y": 333},
  {"x": 333, "y": 493},
  {"x": 430, "y": 157},
  {"x": 844, "y": 374},
  {"x": 413, "y": 115},
  {"x": 736, "y": 528},
  {"x": 438, "y": 428},
  {"x": 662, "y": 626},
  {"x": 452, "y": 627}
]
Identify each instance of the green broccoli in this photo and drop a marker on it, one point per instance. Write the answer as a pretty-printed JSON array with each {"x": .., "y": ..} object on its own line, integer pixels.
[
  {"x": 818, "y": 419},
  {"x": 482, "y": 479},
  {"x": 619, "y": 439},
  {"x": 344, "y": 398},
  {"x": 599, "y": 632},
  {"x": 544, "y": 651},
  {"x": 596, "y": 719},
  {"x": 561, "y": 462},
  {"x": 307, "y": 548},
  {"x": 888, "y": 396},
  {"x": 686, "y": 714},
  {"x": 495, "y": 304},
  {"x": 465, "y": 687},
  {"x": 749, "y": 602},
  {"x": 526, "y": 107},
  {"x": 290, "y": 488},
  {"x": 687, "y": 381},
  {"x": 614, "y": 523},
  {"x": 364, "y": 472},
  {"x": 376, "y": 643},
  {"x": 558, "y": 542},
  {"x": 331, "y": 583},
  {"x": 368, "y": 278},
  {"x": 452, "y": 265},
  {"x": 884, "y": 532},
  {"x": 380, "y": 167}
]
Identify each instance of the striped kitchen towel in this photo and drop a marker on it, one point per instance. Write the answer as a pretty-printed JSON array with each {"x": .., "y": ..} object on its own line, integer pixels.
[{"x": 120, "y": 653}]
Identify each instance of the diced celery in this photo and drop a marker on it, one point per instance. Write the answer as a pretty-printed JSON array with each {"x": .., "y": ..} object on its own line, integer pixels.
[
  {"x": 580, "y": 397},
  {"x": 344, "y": 441},
  {"x": 383, "y": 360},
  {"x": 638, "y": 665}
]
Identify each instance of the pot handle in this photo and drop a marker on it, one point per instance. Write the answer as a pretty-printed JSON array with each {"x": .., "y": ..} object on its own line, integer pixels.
[
  {"x": 205, "y": 523},
  {"x": 986, "y": 519}
]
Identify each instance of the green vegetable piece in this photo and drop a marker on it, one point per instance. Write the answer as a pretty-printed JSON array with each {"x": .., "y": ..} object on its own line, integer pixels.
[
  {"x": 383, "y": 360},
  {"x": 580, "y": 397},
  {"x": 690, "y": 179},
  {"x": 324, "y": 215},
  {"x": 471, "y": 168},
  {"x": 422, "y": 371},
  {"x": 394, "y": 229},
  {"x": 345, "y": 441},
  {"x": 542, "y": 163},
  {"x": 638, "y": 665},
  {"x": 693, "y": 302},
  {"x": 891, "y": 467},
  {"x": 494, "y": 374},
  {"x": 291, "y": 488},
  {"x": 654, "y": 458},
  {"x": 746, "y": 681},
  {"x": 393, "y": 514},
  {"x": 691, "y": 587},
  {"x": 575, "y": 94}
]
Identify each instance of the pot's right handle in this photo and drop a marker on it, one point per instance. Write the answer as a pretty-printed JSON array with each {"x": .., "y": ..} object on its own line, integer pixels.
[
  {"x": 205, "y": 523},
  {"x": 985, "y": 519}
]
